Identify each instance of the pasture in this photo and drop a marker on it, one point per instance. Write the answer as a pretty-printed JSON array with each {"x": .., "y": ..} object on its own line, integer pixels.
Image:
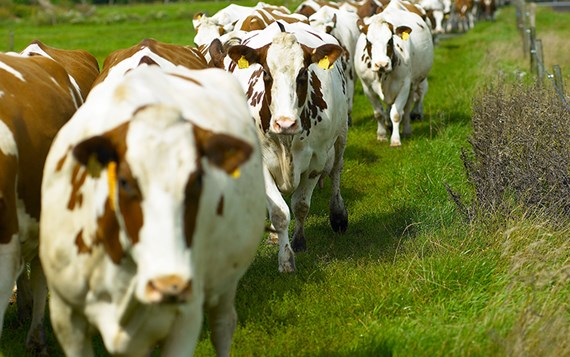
[{"x": 410, "y": 277}]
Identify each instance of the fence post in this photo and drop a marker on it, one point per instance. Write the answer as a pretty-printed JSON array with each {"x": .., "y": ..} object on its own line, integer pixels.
[
  {"x": 539, "y": 59},
  {"x": 533, "y": 59},
  {"x": 558, "y": 80}
]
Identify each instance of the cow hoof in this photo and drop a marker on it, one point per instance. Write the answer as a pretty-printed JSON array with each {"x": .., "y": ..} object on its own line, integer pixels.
[
  {"x": 272, "y": 239},
  {"x": 286, "y": 260},
  {"x": 339, "y": 221},
  {"x": 381, "y": 137},
  {"x": 396, "y": 144},
  {"x": 416, "y": 116},
  {"x": 299, "y": 244}
]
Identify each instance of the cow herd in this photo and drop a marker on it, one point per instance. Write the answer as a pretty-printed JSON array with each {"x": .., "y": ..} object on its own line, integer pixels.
[{"x": 137, "y": 194}]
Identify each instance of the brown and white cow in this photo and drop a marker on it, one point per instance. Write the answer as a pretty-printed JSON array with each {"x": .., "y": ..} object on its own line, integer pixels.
[
  {"x": 37, "y": 96},
  {"x": 150, "y": 51},
  {"x": 309, "y": 7},
  {"x": 154, "y": 207},
  {"x": 298, "y": 96},
  {"x": 394, "y": 57},
  {"x": 261, "y": 18}
]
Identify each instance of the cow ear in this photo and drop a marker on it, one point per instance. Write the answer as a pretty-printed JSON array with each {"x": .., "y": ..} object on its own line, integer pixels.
[
  {"x": 95, "y": 154},
  {"x": 196, "y": 19},
  {"x": 326, "y": 55},
  {"x": 242, "y": 55},
  {"x": 223, "y": 151},
  {"x": 217, "y": 53},
  {"x": 403, "y": 32}
]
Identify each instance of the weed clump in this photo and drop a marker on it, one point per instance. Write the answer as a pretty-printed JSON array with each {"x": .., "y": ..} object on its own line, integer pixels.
[{"x": 520, "y": 153}]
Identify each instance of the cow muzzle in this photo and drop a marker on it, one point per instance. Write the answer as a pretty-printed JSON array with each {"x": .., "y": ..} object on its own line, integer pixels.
[
  {"x": 286, "y": 126},
  {"x": 168, "y": 289},
  {"x": 382, "y": 66}
]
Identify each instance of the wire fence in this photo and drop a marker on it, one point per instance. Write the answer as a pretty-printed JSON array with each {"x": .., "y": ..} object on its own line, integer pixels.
[{"x": 526, "y": 24}]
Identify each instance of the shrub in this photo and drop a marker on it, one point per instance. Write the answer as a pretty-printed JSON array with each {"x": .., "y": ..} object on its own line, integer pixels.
[{"x": 520, "y": 152}]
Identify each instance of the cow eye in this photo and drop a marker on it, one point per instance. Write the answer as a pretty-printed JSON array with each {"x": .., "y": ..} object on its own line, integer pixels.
[
  {"x": 128, "y": 188},
  {"x": 267, "y": 77},
  {"x": 302, "y": 76}
]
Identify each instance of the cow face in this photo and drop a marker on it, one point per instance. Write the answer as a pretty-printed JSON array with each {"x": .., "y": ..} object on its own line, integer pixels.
[
  {"x": 284, "y": 79},
  {"x": 383, "y": 40},
  {"x": 324, "y": 20},
  {"x": 153, "y": 172},
  {"x": 207, "y": 29}
]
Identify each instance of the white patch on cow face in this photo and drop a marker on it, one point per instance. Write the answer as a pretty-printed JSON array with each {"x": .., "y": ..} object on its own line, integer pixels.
[
  {"x": 379, "y": 35},
  {"x": 207, "y": 30},
  {"x": 161, "y": 155},
  {"x": 285, "y": 60},
  {"x": 7, "y": 143},
  {"x": 12, "y": 71}
]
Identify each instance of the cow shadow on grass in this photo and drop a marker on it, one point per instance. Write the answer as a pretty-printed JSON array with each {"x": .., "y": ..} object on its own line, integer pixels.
[{"x": 373, "y": 237}]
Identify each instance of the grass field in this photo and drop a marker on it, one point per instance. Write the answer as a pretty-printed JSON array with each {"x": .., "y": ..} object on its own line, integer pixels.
[{"x": 410, "y": 277}]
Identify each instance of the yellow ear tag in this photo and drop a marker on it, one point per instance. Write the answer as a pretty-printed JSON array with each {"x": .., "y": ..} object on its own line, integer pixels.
[
  {"x": 243, "y": 63},
  {"x": 236, "y": 174},
  {"x": 112, "y": 182},
  {"x": 405, "y": 36},
  {"x": 324, "y": 63}
]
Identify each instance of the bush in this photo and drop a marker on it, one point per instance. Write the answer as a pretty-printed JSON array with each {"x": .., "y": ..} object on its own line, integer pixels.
[{"x": 520, "y": 152}]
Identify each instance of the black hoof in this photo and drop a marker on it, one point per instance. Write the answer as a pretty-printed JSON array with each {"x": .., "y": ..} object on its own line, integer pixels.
[
  {"x": 416, "y": 116},
  {"x": 339, "y": 221},
  {"x": 299, "y": 244}
]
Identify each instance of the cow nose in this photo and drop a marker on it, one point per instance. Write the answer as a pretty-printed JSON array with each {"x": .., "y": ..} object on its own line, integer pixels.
[
  {"x": 286, "y": 125},
  {"x": 168, "y": 289},
  {"x": 381, "y": 66}
]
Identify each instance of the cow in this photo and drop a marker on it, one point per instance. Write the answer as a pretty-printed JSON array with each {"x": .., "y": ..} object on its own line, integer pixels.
[
  {"x": 153, "y": 198},
  {"x": 40, "y": 89},
  {"x": 309, "y": 7},
  {"x": 394, "y": 57},
  {"x": 150, "y": 51},
  {"x": 343, "y": 25},
  {"x": 437, "y": 13},
  {"x": 298, "y": 97},
  {"x": 263, "y": 17},
  {"x": 462, "y": 15},
  {"x": 364, "y": 8},
  {"x": 208, "y": 28}
]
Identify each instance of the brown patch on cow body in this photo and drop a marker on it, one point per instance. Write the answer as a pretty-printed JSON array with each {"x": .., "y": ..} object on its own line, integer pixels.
[
  {"x": 192, "y": 198},
  {"x": 82, "y": 248},
  {"x": 149, "y": 61},
  {"x": 78, "y": 177},
  {"x": 108, "y": 233},
  {"x": 130, "y": 202}
]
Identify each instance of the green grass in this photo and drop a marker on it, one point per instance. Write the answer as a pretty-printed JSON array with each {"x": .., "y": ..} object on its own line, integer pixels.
[{"x": 410, "y": 277}]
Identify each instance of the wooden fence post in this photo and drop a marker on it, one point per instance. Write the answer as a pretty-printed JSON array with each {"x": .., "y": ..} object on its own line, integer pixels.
[
  {"x": 558, "y": 80},
  {"x": 533, "y": 59},
  {"x": 539, "y": 59}
]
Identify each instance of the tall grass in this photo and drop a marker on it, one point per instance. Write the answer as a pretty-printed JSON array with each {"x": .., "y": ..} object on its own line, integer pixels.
[{"x": 410, "y": 277}]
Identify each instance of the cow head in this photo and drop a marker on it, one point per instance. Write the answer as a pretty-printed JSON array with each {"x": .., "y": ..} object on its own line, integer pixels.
[
  {"x": 207, "y": 29},
  {"x": 324, "y": 19},
  {"x": 283, "y": 79},
  {"x": 152, "y": 181},
  {"x": 383, "y": 41}
]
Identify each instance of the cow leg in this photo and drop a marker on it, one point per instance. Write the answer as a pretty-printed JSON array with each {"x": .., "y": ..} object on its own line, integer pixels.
[
  {"x": 185, "y": 332},
  {"x": 397, "y": 114},
  {"x": 24, "y": 298},
  {"x": 280, "y": 218},
  {"x": 338, "y": 216},
  {"x": 35, "y": 340},
  {"x": 419, "y": 94},
  {"x": 301, "y": 203},
  {"x": 71, "y": 328},
  {"x": 9, "y": 270},
  {"x": 222, "y": 319},
  {"x": 378, "y": 112}
]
